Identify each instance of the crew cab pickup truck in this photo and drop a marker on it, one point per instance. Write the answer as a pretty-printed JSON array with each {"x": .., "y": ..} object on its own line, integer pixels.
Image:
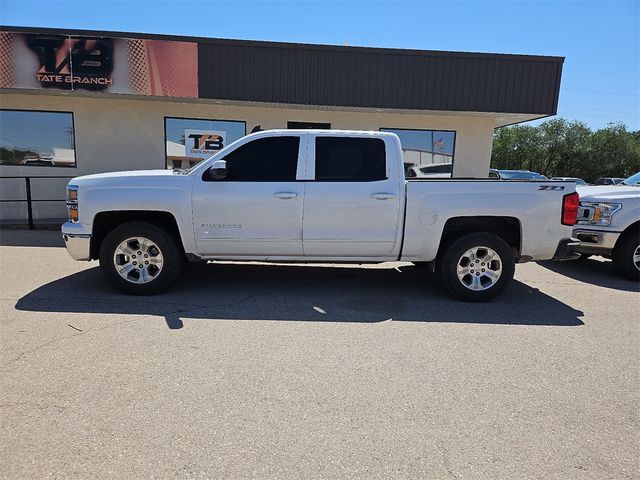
[
  {"x": 315, "y": 196},
  {"x": 609, "y": 224}
]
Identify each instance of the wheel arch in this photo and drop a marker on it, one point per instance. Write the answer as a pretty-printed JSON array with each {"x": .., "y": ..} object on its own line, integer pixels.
[
  {"x": 106, "y": 221},
  {"x": 625, "y": 245},
  {"x": 508, "y": 228},
  {"x": 631, "y": 229}
]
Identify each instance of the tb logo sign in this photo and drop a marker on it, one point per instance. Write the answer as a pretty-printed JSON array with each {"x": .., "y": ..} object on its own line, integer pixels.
[
  {"x": 203, "y": 143},
  {"x": 73, "y": 63}
]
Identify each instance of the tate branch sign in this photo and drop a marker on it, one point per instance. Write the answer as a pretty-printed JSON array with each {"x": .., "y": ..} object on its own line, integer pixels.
[{"x": 98, "y": 64}]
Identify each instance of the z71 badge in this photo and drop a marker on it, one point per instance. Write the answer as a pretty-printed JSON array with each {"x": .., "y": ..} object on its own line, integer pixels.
[{"x": 551, "y": 187}]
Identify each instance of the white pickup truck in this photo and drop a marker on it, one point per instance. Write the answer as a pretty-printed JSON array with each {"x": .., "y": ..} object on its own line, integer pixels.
[
  {"x": 609, "y": 224},
  {"x": 315, "y": 196}
]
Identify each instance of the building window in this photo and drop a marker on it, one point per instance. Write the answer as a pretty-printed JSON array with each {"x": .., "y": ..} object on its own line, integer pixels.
[
  {"x": 37, "y": 139},
  {"x": 340, "y": 159},
  {"x": 427, "y": 153},
  {"x": 190, "y": 140}
]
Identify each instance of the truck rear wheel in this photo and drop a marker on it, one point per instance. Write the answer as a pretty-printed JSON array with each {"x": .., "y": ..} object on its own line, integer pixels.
[
  {"x": 626, "y": 255},
  {"x": 140, "y": 258},
  {"x": 477, "y": 267}
]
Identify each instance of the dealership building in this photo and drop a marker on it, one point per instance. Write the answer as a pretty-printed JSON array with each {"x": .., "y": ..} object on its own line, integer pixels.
[{"x": 78, "y": 102}]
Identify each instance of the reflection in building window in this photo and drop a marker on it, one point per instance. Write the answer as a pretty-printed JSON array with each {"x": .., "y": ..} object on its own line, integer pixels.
[
  {"x": 37, "y": 139},
  {"x": 427, "y": 153},
  {"x": 189, "y": 141}
]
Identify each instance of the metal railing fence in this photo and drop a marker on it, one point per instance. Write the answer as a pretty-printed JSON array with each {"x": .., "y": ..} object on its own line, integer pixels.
[{"x": 30, "y": 200}]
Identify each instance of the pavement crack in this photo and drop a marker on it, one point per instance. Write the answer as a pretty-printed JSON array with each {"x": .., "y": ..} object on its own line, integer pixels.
[
  {"x": 59, "y": 339},
  {"x": 179, "y": 311},
  {"x": 445, "y": 460},
  {"x": 43, "y": 345},
  {"x": 60, "y": 408}
]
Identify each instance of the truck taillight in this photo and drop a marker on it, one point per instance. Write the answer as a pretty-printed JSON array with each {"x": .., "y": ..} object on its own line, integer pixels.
[{"x": 570, "y": 207}]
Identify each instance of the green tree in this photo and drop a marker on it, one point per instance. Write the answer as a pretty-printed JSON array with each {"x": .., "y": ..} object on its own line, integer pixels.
[
  {"x": 616, "y": 151},
  {"x": 567, "y": 149},
  {"x": 14, "y": 156},
  {"x": 516, "y": 147}
]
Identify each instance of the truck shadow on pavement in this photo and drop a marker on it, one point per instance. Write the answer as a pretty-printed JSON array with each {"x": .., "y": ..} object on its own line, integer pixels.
[
  {"x": 301, "y": 293},
  {"x": 593, "y": 272}
]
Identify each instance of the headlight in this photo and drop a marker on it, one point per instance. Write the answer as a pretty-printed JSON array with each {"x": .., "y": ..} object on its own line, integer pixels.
[
  {"x": 597, "y": 213},
  {"x": 72, "y": 202}
]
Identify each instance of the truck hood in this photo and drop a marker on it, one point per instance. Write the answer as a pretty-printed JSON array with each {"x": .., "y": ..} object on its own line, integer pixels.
[
  {"x": 607, "y": 193},
  {"x": 121, "y": 177}
]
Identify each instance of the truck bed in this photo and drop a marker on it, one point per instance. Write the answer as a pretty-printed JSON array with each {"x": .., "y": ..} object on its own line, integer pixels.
[{"x": 536, "y": 205}]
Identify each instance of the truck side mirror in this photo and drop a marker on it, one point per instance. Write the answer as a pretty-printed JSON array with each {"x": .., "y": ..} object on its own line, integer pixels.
[{"x": 218, "y": 171}]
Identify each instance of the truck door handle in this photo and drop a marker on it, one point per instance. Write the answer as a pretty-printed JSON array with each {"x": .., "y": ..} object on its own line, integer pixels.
[
  {"x": 383, "y": 196},
  {"x": 286, "y": 195}
]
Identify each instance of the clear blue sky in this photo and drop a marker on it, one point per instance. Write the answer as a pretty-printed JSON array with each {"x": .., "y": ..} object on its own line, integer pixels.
[{"x": 600, "y": 39}]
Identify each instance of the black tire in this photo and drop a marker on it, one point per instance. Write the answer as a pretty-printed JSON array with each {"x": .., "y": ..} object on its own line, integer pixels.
[
  {"x": 452, "y": 258},
  {"x": 623, "y": 253},
  {"x": 161, "y": 241}
]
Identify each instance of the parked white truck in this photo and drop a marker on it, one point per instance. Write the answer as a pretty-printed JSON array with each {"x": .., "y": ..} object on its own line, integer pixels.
[
  {"x": 315, "y": 196},
  {"x": 609, "y": 224}
]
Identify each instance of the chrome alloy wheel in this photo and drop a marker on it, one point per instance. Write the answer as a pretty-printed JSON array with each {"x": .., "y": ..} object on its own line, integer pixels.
[
  {"x": 479, "y": 268},
  {"x": 636, "y": 257},
  {"x": 138, "y": 260}
]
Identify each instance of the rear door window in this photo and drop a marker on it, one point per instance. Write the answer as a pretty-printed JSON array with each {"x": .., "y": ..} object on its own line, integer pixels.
[{"x": 351, "y": 159}]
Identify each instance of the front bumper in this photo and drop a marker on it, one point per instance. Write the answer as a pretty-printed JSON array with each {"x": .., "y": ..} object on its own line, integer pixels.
[
  {"x": 77, "y": 241},
  {"x": 567, "y": 249},
  {"x": 596, "y": 241}
]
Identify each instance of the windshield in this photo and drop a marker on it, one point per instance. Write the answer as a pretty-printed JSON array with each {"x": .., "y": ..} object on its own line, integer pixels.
[
  {"x": 578, "y": 181},
  {"x": 632, "y": 180},
  {"x": 521, "y": 175}
]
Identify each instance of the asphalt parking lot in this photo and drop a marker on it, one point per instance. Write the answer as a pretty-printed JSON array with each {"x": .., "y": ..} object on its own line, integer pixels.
[{"x": 262, "y": 371}]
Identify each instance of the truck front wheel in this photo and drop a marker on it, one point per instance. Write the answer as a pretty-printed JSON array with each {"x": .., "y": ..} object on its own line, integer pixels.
[
  {"x": 626, "y": 255},
  {"x": 477, "y": 267},
  {"x": 140, "y": 258}
]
